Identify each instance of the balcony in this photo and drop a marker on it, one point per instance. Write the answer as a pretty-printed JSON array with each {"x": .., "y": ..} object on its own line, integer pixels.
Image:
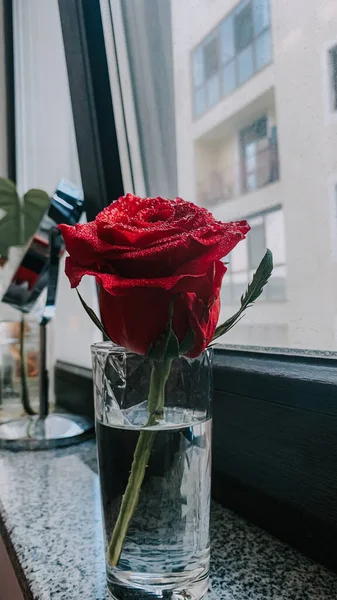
[{"x": 255, "y": 171}]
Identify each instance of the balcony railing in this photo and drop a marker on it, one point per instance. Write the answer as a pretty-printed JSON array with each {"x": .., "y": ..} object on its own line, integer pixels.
[{"x": 255, "y": 171}]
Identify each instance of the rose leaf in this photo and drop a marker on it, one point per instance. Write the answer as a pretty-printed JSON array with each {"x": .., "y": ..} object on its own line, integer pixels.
[
  {"x": 93, "y": 316},
  {"x": 254, "y": 290}
]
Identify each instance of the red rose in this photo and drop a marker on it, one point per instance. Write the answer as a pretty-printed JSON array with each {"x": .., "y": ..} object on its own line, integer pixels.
[{"x": 146, "y": 251}]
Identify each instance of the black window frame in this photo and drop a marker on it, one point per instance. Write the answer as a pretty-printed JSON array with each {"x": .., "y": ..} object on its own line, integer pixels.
[
  {"x": 10, "y": 88},
  {"x": 291, "y": 395}
]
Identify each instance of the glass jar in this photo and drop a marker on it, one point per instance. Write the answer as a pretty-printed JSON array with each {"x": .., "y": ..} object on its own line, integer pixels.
[
  {"x": 153, "y": 425},
  {"x": 19, "y": 387}
]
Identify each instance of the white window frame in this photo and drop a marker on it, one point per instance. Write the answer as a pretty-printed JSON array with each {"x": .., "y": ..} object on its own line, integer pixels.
[{"x": 122, "y": 96}]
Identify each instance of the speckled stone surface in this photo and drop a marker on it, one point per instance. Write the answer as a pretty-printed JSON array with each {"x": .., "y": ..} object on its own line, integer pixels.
[{"x": 50, "y": 518}]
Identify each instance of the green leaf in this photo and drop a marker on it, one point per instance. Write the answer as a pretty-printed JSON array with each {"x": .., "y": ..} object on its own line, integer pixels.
[
  {"x": 93, "y": 316},
  {"x": 254, "y": 290},
  {"x": 35, "y": 204},
  {"x": 10, "y": 221},
  {"x": 19, "y": 220},
  {"x": 187, "y": 343}
]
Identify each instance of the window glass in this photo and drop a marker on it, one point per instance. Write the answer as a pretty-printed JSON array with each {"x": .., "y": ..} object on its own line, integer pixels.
[
  {"x": 261, "y": 15},
  {"x": 256, "y": 155},
  {"x": 239, "y": 259},
  {"x": 249, "y": 145},
  {"x": 211, "y": 57},
  {"x": 245, "y": 65},
  {"x": 263, "y": 50},
  {"x": 256, "y": 243},
  {"x": 226, "y": 291},
  {"x": 275, "y": 236},
  {"x": 240, "y": 46},
  {"x": 239, "y": 283},
  {"x": 227, "y": 40},
  {"x": 228, "y": 78},
  {"x": 198, "y": 67},
  {"x": 277, "y": 285},
  {"x": 243, "y": 27}
]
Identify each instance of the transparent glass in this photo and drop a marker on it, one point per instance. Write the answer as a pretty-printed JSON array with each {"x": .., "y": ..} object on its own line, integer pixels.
[
  {"x": 273, "y": 57},
  {"x": 11, "y": 404},
  {"x": 165, "y": 553}
]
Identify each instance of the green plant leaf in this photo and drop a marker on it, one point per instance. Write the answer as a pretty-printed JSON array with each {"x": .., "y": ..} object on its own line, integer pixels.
[
  {"x": 93, "y": 316},
  {"x": 254, "y": 290},
  {"x": 35, "y": 204},
  {"x": 10, "y": 219},
  {"x": 19, "y": 221}
]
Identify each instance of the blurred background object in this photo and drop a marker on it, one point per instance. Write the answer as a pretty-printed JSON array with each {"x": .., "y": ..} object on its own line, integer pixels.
[{"x": 11, "y": 406}]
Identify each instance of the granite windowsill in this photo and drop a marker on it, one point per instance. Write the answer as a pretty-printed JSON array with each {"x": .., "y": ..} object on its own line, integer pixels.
[{"x": 51, "y": 524}]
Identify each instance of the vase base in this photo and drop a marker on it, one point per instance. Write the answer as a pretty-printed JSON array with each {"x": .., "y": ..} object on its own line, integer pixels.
[
  {"x": 55, "y": 431},
  {"x": 197, "y": 590}
]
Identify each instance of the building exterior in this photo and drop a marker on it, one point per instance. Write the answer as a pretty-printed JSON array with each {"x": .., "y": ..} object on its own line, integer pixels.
[{"x": 256, "y": 127}]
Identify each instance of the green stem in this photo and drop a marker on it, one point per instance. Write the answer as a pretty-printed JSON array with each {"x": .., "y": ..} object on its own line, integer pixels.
[
  {"x": 23, "y": 371},
  {"x": 156, "y": 398}
]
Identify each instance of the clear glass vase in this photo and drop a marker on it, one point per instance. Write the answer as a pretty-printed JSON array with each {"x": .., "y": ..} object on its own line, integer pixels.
[
  {"x": 153, "y": 424},
  {"x": 12, "y": 404}
]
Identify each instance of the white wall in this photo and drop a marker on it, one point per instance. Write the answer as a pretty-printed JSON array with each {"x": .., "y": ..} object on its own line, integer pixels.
[
  {"x": 46, "y": 149},
  {"x": 3, "y": 145}
]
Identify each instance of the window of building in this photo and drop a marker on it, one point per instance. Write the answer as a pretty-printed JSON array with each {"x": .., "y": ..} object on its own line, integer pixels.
[
  {"x": 257, "y": 151},
  {"x": 267, "y": 231},
  {"x": 243, "y": 27},
  {"x": 333, "y": 74},
  {"x": 238, "y": 48}
]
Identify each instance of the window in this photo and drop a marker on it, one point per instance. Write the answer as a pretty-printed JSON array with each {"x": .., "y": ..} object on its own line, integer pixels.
[
  {"x": 227, "y": 160},
  {"x": 243, "y": 26},
  {"x": 239, "y": 47},
  {"x": 211, "y": 58},
  {"x": 206, "y": 75},
  {"x": 282, "y": 395},
  {"x": 259, "y": 155},
  {"x": 267, "y": 231},
  {"x": 333, "y": 74}
]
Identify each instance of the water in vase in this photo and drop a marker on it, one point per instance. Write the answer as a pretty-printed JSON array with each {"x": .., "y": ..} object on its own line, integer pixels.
[{"x": 166, "y": 551}]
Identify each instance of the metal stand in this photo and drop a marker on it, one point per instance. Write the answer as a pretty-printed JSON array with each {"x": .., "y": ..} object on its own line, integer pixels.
[{"x": 43, "y": 431}]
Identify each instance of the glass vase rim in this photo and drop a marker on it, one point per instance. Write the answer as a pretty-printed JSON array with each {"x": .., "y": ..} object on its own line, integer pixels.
[{"x": 109, "y": 345}]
